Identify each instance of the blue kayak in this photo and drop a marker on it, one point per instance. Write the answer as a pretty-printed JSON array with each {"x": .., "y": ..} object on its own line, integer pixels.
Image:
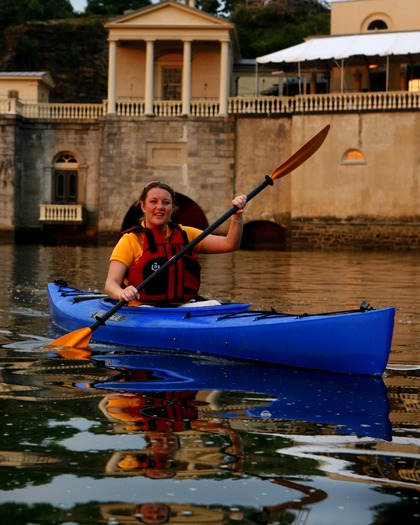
[{"x": 353, "y": 342}]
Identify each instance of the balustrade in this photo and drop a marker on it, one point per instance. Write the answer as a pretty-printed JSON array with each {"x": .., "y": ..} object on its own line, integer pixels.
[
  {"x": 267, "y": 105},
  {"x": 56, "y": 111},
  {"x": 61, "y": 213}
]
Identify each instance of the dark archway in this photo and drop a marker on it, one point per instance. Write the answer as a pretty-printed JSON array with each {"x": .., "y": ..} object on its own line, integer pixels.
[
  {"x": 187, "y": 213},
  {"x": 264, "y": 235}
]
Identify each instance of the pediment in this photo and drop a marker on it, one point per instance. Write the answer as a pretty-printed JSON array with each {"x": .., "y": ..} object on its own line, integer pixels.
[{"x": 168, "y": 14}]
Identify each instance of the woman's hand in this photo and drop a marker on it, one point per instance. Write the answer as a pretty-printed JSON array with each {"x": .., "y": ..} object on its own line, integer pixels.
[
  {"x": 129, "y": 294},
  {"x": 240, "y": 202},
  {"x": 113, "y": 285},
  {"x": 232, "y": 241}
]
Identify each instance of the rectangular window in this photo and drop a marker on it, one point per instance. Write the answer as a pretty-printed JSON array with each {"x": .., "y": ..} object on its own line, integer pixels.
[
  {"x": 65, "y": 186},
  {"x": 171, "y": 83}
]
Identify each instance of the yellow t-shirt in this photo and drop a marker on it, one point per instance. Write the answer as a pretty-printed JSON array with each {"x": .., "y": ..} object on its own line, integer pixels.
[{"x": 129, "y": 248}]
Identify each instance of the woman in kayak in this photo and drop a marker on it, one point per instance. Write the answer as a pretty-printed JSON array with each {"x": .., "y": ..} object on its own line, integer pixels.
[{"x": 142, "y": 250}]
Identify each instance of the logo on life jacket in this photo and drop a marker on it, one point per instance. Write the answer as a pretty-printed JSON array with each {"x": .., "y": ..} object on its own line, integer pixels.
[{"x": 154, "y": 266}]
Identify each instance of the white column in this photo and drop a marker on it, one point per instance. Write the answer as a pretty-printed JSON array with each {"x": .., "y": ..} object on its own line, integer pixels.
[
  {"x": 149, "y": 73},
  {"x": 186, "y": 79},
  {"x": 112, "y": 77},
  {"x": 224, "y": 78}
]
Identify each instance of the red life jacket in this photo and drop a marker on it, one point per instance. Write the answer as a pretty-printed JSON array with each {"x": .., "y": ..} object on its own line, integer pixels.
[{"x": 180, "y": 282}]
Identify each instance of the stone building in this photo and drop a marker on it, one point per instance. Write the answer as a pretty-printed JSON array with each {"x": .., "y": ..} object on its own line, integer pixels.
[{"x": 73, "y": 172}]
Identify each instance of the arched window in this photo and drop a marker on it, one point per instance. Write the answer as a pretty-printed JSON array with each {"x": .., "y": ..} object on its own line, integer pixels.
[
  {"x": 353, "y": 156},
  {"x": 377, "y": 25},
  {"x": 65, "y": 178}
]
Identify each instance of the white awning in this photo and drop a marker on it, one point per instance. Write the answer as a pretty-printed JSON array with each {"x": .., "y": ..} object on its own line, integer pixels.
[{"x": 357, "y": 49}]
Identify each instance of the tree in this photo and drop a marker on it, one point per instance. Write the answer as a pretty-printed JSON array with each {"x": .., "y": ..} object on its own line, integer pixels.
[
  {"x": 213, "y": 7},
  {"x": 113, "y": 7},
  {"x": 17, "y": 12},
  {"x": 263, "y": 30},
  {"x": 227, "y": 8}
]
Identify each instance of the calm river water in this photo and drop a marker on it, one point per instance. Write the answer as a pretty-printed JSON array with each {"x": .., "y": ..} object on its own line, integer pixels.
[{"x": 283, "y": 447}]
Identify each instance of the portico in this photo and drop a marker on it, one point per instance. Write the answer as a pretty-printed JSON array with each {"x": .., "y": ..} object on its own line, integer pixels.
[{"x": 169, "y": 52}]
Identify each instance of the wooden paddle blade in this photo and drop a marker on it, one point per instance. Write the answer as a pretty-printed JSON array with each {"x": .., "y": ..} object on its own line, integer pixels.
[
  {"x": 77, "y": 339},
  {"x": 302, "y": 154}
]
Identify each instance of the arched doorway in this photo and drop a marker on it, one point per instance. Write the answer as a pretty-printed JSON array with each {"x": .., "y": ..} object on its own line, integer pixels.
[
  {"x": 187, "y": 213},
  {"x": 264, "y": 235}
]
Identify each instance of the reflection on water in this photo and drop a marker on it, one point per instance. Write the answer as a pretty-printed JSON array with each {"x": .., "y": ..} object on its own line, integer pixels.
[
  {"x": 351, "y": 404},
  {"x": 149, "y": 438}
]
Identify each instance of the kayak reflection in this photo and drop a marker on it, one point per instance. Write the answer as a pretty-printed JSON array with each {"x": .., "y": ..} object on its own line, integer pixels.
[{"x": 352, "y": 404}]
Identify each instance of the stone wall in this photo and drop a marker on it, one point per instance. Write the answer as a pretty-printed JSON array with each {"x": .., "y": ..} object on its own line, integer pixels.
[
  {"x": 328, "y": 202},
  {"x": 361, "y": 233},
  {"x": 325, "y": 203},
  {"x": 384, "y": 183},
  {"x": 195, "y": 156},
  {"x": 262, "y": 144},
  {"x": 7, "y": 177},
  {"x": 37, "y": 143}
]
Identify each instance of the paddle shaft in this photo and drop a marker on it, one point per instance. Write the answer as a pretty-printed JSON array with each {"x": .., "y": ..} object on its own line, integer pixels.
[
  {"x": 268, "y": 181},
  {"x": 80, "y": 338}
]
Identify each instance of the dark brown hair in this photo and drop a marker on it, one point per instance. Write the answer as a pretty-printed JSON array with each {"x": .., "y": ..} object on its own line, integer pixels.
[{"x": 157, "y": 184}]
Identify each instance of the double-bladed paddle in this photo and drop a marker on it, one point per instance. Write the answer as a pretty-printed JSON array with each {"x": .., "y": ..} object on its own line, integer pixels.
[{"x": 81, "y": 338}]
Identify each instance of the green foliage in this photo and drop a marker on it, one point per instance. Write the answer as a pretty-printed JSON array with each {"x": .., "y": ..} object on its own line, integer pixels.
[
  {"x": 230, "y": 7},
  {"x": 209, "y": 6},
  {"x": 18, "y": 12},
  {"x": 113, "y": 7},
  {"x": 74, "y": 58},
  {"x": 268, "y": 29},
  {"x": 27, "y": 54},
  {"x": 317, "y": 24}
]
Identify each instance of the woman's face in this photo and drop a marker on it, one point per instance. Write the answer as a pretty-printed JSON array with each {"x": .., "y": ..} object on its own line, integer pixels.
[
  {"x": 153, "y": 513},
  {"x": 157, "y": 208}
]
